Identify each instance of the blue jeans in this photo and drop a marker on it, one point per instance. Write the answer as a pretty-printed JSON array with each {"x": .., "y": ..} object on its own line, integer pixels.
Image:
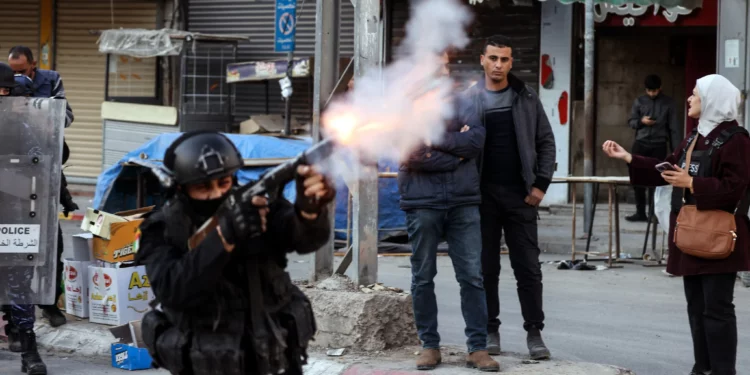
[{"x": 460, "y": 227}]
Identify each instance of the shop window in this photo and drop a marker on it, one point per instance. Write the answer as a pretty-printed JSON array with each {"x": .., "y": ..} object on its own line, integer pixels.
[{"x": 133, "y": 80}]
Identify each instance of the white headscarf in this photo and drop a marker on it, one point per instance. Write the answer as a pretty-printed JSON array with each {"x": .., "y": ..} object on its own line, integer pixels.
[{"x": 720, "y": 102}]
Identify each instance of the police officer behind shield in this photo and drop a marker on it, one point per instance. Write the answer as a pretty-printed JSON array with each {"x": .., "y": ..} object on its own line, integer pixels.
[
  {"x": 228, "y": 306},
  {"x": 41, "y": 83},
  {"x": 20, "y": 316}
]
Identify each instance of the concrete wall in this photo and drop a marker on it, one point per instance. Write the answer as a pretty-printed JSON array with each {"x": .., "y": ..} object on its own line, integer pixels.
[{"x": 622, "y": 64}]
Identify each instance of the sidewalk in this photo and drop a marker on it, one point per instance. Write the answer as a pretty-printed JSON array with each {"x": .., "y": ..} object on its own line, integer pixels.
[{"x": 81, "y": 338}]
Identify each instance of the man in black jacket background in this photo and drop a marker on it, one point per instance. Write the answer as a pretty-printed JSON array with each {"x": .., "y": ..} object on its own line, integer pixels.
[
  {"x": 516, "y": 169},
  {"x": 657, "y": 133}
]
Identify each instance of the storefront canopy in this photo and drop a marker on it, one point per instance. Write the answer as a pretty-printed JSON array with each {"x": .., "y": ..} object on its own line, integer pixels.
[{"x": 689, "y": 4}]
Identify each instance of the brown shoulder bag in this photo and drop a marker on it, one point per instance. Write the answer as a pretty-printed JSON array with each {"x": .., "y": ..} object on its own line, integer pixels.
[{"x": 707, "y": 234}]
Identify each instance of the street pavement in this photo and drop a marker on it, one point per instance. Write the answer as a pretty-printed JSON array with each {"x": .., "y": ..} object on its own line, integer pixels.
[{"x": 633, "y": 317}]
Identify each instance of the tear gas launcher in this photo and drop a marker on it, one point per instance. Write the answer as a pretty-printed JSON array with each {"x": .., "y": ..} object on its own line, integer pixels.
[{"x": 270, "y": 184}]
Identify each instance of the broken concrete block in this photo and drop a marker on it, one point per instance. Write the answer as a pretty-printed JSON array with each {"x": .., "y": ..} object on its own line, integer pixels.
[{"x": 362, "y": 321}]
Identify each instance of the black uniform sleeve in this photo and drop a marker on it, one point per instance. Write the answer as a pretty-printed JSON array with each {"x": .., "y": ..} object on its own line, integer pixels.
[
  {"x": 180, "y": 279},
  {"x": 292, "y": 232}
]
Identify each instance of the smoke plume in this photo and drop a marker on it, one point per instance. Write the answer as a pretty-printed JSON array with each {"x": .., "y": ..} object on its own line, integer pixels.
[{"x": 389, "y": 114}]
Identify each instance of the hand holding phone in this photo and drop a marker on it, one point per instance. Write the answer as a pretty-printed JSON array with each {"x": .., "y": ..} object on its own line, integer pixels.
[{"x": 665, "y": 166}]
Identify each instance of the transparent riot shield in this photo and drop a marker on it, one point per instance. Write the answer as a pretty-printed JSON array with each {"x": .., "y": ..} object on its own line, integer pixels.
[{"x": 31, "y": 139}]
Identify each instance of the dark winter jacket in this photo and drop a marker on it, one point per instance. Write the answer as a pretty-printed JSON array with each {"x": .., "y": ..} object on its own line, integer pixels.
[
  {"x": 665, "y": 130},
  {"x": 48, "y": 84},
  {"x": 445, "y": 175},
  {"x": 229, "y": 313},
  {"x": 536, "y": 142},
  {"x": 730, "y": 167}
]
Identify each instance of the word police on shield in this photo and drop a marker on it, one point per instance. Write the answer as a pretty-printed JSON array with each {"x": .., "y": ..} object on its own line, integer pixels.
[{"x": 285, "y": 25}]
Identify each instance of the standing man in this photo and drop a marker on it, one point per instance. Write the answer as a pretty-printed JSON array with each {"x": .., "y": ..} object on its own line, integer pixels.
[
  {"x": 47, "y": 84},
  {"x": 439, "y": 187},
  {"x": 657, "y": 132},
  {"x": 516, "y": 170}
]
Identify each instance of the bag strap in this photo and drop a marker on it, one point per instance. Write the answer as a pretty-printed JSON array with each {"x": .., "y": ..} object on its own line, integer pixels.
[{"x": 688, "y": 156}]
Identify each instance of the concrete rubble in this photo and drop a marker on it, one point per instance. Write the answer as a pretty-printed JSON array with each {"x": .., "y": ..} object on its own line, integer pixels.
[{"x": 369, "y": 318}]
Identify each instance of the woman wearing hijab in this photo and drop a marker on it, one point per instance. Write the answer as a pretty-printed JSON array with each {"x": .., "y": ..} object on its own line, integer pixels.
[{"x": 718, "y": 179}]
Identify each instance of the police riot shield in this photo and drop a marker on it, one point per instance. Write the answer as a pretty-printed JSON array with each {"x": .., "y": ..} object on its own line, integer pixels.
[{"x": 31, "y": 143}]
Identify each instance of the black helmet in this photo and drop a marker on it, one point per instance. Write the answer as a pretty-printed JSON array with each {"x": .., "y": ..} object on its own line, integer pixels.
[
  {"x": 202, "y": 156},
  {"x": 24, "y": 86},
  {"x": 6, "y": 76}
]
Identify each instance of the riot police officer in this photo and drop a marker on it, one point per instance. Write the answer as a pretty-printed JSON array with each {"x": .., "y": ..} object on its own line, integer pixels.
[
  {"x": 228, "y": 306},
  {"x": 20, "y": 316}
]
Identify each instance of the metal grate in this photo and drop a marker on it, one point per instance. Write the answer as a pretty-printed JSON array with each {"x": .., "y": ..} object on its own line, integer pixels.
[{"x": 205, "y": 91}]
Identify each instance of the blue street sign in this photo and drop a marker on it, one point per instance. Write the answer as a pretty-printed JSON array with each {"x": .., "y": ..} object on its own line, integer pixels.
[{"x": 285, "y": 25}]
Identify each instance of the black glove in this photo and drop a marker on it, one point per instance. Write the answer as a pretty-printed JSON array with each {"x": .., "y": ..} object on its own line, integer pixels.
[
  {"x": 313, "y": 205},
  {"x": 239, "y": 222},
  {"x": 65, "y": 198}
]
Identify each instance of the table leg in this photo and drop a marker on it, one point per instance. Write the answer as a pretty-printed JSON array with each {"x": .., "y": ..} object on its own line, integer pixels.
[
  {"x": 617, "y": 222},
  {"x": 609, "y": 194},
  {"x": 573, "y": 241}
]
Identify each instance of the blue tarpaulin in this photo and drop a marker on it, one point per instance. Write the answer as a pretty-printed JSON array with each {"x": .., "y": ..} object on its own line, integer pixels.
[{"x": 116, "y": 191}]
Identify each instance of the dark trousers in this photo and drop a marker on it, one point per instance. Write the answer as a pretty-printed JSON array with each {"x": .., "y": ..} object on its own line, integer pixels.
[
  {"x": 713, "y": 324},
  {"x": 658, "y": 151},
  {"x": 503, "y": 210}
]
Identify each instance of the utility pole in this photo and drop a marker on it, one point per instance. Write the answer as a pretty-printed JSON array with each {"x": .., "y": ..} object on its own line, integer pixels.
[
  {"x": 368, "y": 42},
  {"x": 325, "y": 74},
  {"x": 588, "y": 114}
]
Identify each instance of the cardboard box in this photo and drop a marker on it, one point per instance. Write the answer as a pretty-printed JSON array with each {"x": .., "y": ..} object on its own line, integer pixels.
[
  {"x": 117, "y": 246},
  {"x": 82, "y": 248},
  {"x": 118, "y": 295},
  {"x": 267, "y": 123},
  {"x": 129, "y": 353},
  {"x": 100, "y": 223},
  {"x": 76, "y": 287}
]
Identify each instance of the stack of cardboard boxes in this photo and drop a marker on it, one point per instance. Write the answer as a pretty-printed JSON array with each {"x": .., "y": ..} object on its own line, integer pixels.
[{"x": 102, "y": 282}]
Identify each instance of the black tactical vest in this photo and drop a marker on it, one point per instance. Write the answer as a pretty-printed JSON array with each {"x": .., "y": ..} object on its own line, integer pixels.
[
  {"x": 263, "y": 326},
  {"x": 700, "y": 166}
]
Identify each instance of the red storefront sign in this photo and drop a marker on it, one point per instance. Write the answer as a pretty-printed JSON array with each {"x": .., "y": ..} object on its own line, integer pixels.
[{"x": 630, "y": 15}]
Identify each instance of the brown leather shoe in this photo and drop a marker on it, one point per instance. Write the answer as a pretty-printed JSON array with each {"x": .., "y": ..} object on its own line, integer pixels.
[
  {"x": 481, "y": 360},
  {"x": 428, "y": 359}
]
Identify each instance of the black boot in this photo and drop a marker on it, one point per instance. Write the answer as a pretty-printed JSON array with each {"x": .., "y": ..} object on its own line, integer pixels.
[
  {"x": 54, "y": 315},
  {"x": 493, "y": 343},
  {"x": 638, "y": 216},
  {"x": 31, "y": 362},
  {"x": 537, "y": 349},
  {"x": 14, "y": 345}
]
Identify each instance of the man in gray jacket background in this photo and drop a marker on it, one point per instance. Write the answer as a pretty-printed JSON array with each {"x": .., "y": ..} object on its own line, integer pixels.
[
  {"x": 516, "y": 169},
  {"x": 657, "y": 133}
]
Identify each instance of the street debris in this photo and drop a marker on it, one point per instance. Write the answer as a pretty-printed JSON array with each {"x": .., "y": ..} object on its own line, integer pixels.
[{"x": 335, "y": 352}]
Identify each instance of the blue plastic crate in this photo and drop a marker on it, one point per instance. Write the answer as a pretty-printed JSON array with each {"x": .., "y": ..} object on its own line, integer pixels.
[{"x": 130, "y": 358}]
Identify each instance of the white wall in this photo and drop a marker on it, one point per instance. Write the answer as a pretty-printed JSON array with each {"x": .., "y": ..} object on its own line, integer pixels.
[{"x": 556, "y": 43}]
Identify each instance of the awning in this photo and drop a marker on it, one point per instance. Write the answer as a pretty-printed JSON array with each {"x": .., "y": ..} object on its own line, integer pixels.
[{"x": 688, "y": 4}]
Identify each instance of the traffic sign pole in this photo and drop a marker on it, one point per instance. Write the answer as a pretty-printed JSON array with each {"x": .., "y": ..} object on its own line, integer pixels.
[{"x": 284, "y": 41}]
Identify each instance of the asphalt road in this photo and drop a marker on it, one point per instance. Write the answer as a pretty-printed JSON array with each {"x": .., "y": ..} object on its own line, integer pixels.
[{"x": 632, "y": 317}]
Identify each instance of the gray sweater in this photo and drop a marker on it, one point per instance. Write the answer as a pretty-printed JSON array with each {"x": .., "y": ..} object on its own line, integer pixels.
[{"x": 665, "y": 130}]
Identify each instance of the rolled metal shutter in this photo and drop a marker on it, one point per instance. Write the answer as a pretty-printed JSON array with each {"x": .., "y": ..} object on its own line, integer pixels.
[
  {"x": 19, "y": 25},
  {"x": 520, "y": 23},
  {"x": 82, "y": 69},
  {"x": 256, "y": 19}
]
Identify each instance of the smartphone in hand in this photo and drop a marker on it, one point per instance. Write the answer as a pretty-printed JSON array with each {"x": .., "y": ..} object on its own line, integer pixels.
[{"x": 665, "y": 166}]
